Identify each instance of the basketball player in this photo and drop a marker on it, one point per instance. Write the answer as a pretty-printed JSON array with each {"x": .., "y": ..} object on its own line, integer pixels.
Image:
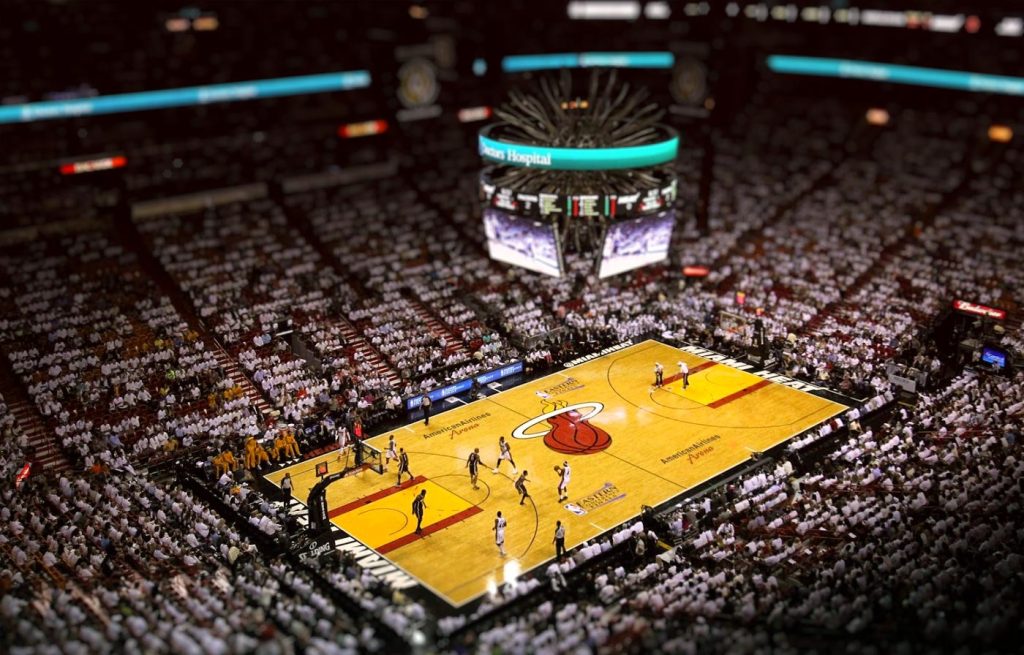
[
  {"x": 521, "y": 487},
  {"x": 563, "y": 482},
  {"x": 343, "y": 440},
  {"x": 659, "y": 373},
  {"x": 390, "y": 453},
  {"x": 473, "y": 464},
  {"x": 499, "y": 533},
  {"x": 505, "y": 452},
  {"x": 418, "y": 505},
  {"x": 684, "y": 372},
  {"x": 403, "y": 466}
]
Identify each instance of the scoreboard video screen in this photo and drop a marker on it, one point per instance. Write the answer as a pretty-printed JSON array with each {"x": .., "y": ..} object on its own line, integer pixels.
[
  {"x": 521, "y": 241},
  {"x": 636, "y": 243}
]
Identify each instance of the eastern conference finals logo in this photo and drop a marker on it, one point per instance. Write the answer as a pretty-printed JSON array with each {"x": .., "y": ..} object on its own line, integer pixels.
[{"x": 606, "y": 495}]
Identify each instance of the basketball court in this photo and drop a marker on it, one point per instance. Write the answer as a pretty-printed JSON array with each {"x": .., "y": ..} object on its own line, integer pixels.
[{"x": 627, "y": 442}]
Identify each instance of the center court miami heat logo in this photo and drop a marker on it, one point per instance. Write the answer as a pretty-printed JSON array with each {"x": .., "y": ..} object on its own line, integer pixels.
[{"x": 566, "y": 429}]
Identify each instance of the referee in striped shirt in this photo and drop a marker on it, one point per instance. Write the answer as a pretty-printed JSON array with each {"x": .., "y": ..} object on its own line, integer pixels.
[{"x": 559, "y": 540}]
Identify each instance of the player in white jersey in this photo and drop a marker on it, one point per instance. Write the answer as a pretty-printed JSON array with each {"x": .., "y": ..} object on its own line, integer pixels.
[
  {"x": 504, "y": 453},
  {"x": 564, "y": 473},
  {"x": 391, "y": 453},
  {"x": 344, "y": 441},
  {"x": 499, "y": 533}
]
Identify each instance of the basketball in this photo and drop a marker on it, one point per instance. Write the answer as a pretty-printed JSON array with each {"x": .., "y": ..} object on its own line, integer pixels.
[{"x": 558, "y": 469}]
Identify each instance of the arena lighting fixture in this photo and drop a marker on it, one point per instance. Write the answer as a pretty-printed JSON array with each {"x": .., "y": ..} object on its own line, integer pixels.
[
  {"x": 1000, "y": 133},
  {"x": 1010, "y": 26},
  {"x": 592, "y": 174},
  {"x": 93, "y": 165},
  {"x": 613, "y": 146},
  {"x": 896, "y": 74},
  {"x": 365, "y": 128},
  {"x": 510, "y": 153},
  {"x": 205, "y": 24},
  {"x": 603, "y": 10},
  {"x": 186, "y": 96},
  {"x": 177, "y": 24},
  {"x": 876, "y": 116},
  {"x": 657, "y": 10},
  {"x": 575, "y": 104},
  {"x": 473, "y": 114}
]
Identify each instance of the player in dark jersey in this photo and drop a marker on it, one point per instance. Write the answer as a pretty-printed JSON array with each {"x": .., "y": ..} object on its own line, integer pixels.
[
  {"x": 521, "y": 487},
  {"x": 473, "y": 464},
  {"x": 419, "y": 504},
  {"x": 403, "y": 466}
]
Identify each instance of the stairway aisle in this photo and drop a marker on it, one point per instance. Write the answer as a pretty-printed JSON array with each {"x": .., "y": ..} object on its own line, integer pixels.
[
  {"x": 438, "y": 329},
  {"x": 231, "y": 367},
  {"x": 355, "y": 339},
  {"x": 48, "y": 451}
]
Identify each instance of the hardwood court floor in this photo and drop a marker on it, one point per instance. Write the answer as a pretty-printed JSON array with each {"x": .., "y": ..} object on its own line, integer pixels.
[{"x": 641, "y": 446}]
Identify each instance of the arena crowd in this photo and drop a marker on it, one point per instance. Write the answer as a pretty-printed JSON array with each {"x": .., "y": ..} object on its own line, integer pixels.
[{"x": 175, "y": 357}]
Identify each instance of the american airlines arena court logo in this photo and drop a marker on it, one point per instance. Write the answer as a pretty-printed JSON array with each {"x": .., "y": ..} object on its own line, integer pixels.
[{"x": 566, "y": 428}]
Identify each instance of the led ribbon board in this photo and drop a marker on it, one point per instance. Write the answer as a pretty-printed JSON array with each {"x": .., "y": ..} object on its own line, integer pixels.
[
  {"x": 186, "y": 96},
  {"x": 897, "y": 74},
  {"x": 555, "y": 61},
  {"x": 639, "y": 202},
  {"x": 578, "y": 159},
  {"x": 413, "y": 403}
]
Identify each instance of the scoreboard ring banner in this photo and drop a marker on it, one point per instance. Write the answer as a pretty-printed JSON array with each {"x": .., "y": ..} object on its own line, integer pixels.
[
  {"x": 638, "y": 202},
  {"x": 509, "y": 153}
]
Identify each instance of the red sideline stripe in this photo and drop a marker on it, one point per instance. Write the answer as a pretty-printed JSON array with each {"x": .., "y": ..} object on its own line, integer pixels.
[
  {"x": 739, "y": 394},
  {"x": 430, "y": 529},
  {"x": 700, "y": 367},
  {"x": 366, "y": 500}
]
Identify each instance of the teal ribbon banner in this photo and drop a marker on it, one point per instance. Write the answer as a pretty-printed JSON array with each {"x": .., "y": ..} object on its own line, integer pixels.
[
  {"x": 897, "y": 74},
  {"x": 185, "y": 96},
  {"x": 578, "y": 159},
  {"x": 554, "y": 61}
]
